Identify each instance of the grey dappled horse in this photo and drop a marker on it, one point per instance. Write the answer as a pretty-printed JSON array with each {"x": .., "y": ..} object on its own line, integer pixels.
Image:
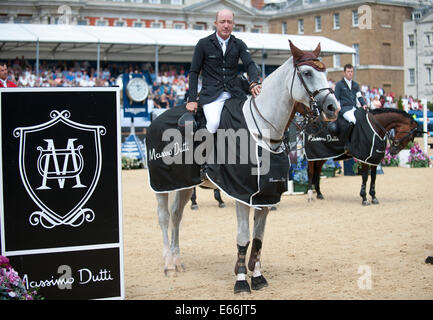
[{"x": 300, "y": 78}]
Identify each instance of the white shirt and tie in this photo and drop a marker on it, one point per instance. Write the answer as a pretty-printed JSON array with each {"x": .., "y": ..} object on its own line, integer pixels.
[
  {"x": 223, "y": 43},
  {"x": 212, "y": 111}
]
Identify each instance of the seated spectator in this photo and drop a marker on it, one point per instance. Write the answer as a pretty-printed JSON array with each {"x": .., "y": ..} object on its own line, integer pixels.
[
  {"x": 161, "y": 103},
  {"x": 375, "y": 104}
]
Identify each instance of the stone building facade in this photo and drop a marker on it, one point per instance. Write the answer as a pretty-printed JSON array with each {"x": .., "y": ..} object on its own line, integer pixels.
[
  {"x": 176, "y": 14},
  {"x": 418, "y": 46},
  {"x": 373, "y": 28}
]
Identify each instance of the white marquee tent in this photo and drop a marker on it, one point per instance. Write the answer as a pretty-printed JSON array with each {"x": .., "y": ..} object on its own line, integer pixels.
[{"x": 73, "y": 42}]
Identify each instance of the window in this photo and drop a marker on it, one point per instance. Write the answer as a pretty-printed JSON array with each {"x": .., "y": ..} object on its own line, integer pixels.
[
  {"x": 411, "y": 40},
  {"x": 24, "y": 18},
  {"x": 337, "y": 60},
  {"x": 411, "y": 76},
  {"x": 199, "y": 26},
  {"x": 179, "y": 25},
  {"x": 138, "y": 24},
  {"x": 101, "y": 23},
  {"x": 119, "y": 23},
  {"x": 301, "y": 26},
  {"x": 156, "y": 25},
  {"x": 428, "y": 39},
  {"x": 336, "y": 21},
  {"x": 355, "y": 59},
  {"x": 239, "y": 28},
  {"x": 177, "y": 2},
  {"x": 284, "y": 27},
  {"x": 386, "y": 54},
  {"x": 155, "y": 1},
  {"x": 429, "y": 75},
  {"x": 318, "y": 23},
  {"x": 355, "y": 21},
  {"x": 256, "y": 29},
  {"x": 82, "y": 22}
]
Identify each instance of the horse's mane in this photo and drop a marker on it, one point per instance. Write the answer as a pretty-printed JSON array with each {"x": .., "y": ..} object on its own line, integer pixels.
[{"x": 392, "y": 110}]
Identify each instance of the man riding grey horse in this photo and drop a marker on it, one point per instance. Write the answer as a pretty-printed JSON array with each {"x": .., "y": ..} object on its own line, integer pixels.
[{"x": 217, "y": 58}]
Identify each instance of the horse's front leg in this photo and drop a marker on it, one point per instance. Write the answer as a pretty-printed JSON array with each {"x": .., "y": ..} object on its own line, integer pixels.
[
  {"x": 258, "y": 281},
  {"x": 373, "y": 185},
  {"x": 317, "y": 172},
  {"x": 164, "y": 221},
  {"x": 243, "y": 240},
  {"x": 311, "y": 172},
  {"x": 363, "y": 192},
  {"x": 179, "y": 203}
]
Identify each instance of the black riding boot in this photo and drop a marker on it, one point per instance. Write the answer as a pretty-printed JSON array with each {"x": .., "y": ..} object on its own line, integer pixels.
[{"x": 347, "y": 136}]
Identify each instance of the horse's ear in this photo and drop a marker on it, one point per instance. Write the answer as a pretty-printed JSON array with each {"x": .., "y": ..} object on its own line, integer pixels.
[
  {"x": 316, "y": 51},
  {"x": 296, "y": 52}
]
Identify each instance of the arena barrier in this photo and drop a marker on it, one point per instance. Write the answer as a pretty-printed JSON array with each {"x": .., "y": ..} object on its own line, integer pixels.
[{"x": 61, "y": 205}]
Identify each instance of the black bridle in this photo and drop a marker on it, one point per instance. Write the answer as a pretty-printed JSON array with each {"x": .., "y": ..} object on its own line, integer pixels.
[
  {"x": 315, "y": 107},
  {"x": 310, "y": 116},
  {"x": 397, "y": 144}
]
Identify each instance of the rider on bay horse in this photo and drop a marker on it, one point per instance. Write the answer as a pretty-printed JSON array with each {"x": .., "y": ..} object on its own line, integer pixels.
[{"x": 347, "y": 92}]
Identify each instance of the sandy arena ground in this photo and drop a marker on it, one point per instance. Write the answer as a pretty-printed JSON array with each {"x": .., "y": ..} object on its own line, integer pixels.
[{"x": 310, "y": 251}]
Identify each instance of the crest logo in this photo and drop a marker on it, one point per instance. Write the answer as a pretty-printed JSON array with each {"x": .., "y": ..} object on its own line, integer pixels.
[{"x": 60, "y": 163}]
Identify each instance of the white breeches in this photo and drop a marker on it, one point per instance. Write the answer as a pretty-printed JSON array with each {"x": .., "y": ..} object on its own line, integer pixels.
[
  {"x": 212, "y": 112},
  {"x": 350, "y": 115}
]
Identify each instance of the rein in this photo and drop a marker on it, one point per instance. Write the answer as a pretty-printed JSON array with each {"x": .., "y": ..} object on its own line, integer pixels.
[
  {"x": 396, "y": 143},
  {"x": 260, "y": 136}
]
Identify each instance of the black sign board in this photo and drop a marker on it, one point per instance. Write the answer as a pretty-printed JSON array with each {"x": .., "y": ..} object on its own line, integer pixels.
[{"x": 61, "y": 213}]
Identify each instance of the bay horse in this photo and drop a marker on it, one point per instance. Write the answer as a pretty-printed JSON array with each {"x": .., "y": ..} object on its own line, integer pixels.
[
  {"x": 384, "y": 120},
  {"x": 301, "y": 78}
]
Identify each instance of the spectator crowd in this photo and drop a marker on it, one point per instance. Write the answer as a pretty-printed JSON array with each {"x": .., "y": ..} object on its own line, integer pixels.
[{"x": 166, "y": 90}]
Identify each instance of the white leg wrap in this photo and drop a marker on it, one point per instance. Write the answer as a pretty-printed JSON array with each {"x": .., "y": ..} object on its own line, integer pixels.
[
  {"x": 256, "y": 272},
  {"x": 241, "y": 277}
]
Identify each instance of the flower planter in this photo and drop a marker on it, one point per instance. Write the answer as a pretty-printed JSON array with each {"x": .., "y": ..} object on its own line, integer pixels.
[
  {"x": 328, "y": 172},
  {"x": 300, "y": 187},
  {"x": 403, "y": 157}
]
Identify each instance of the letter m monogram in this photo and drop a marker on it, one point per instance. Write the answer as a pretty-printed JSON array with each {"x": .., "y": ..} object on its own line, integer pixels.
[{"x": 50, "y": 166}]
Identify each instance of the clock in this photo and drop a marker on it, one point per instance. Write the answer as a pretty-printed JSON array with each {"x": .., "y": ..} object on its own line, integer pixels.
[{"x": 137, "y": 89}]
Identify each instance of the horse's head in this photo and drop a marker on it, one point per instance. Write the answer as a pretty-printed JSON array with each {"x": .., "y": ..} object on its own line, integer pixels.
[
  {"x": 404, "y": 132},
  {"x": 399, "y": 126},
  {"x": 311, "y": 87}
]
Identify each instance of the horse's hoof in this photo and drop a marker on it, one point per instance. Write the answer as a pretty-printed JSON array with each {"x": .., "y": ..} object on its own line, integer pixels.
[
  {"x": 310, "y": 195},
  {"x": 194, "y": 207},
  {"x": 242, "y": 286},
  {"x": 170, "y": 273},
  {"x": 365, "y": 203},
  {"x": 221, "y": 205},
  {"x": 374, "y": 201},
  {"x": 429, "y": 260},
  {"x": 258, "y": 283},
  {"x": 320, "y": 196},
  {"x": 273, "y": 208}
]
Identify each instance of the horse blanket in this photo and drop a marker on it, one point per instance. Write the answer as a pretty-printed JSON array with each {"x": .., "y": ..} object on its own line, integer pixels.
[
  {"x": 255, "y": 176},
  {"x": 365, "y": 143},
  {"x": 236, "y": 164}
]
